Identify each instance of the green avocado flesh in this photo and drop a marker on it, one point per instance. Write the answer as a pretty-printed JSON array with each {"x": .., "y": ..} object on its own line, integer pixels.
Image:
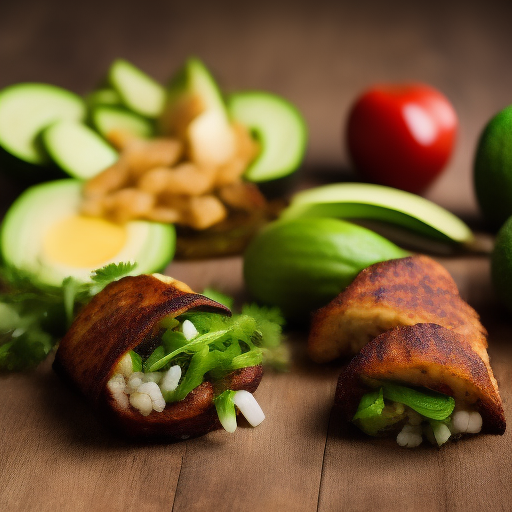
[
  {"x": 103, "y": 98},
  {"x": 41, "y": 209},
  {"x": 377, "y": 202},
  {"x": 195, "y": 80},
  {"x": 28, "y": 108},
  {"x": 378, "y": 410},
  {"x": 106, "y": 119},
  {"x": 138, "y": 91},
  {"x": 77, "y": 149},
  {"x": 278, "y": 126}
]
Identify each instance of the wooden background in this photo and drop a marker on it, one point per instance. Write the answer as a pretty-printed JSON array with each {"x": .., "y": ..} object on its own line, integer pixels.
[{"x": 56, "y": 456}]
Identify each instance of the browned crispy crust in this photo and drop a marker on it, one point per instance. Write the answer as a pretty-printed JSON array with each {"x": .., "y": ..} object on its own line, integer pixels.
[
  {"x": 117, "y": 320},
  {"x": 403, "y": 291},
  {"x": 425, "y": 355}
]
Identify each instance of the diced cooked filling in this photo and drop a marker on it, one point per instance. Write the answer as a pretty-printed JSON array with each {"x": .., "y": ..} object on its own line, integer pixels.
[
  {"x": 185, "y": 351},
  {"x": 162, "y": 180},
  {"x": 416, "y": 413}
]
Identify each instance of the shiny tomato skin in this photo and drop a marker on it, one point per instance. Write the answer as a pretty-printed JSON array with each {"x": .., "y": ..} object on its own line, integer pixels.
[{"x": 401, "y": 135}]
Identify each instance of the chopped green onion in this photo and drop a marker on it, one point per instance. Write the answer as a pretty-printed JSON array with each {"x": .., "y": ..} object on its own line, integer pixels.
[
  {"x": 136, "y": 361},
  {"x": 200, "y": 364},
  {"x": 226, "y": 410},
  {"x": 155, "y": 357},
  {"x": 441, "y": 431},
  {"x": 205, "y": 339}
]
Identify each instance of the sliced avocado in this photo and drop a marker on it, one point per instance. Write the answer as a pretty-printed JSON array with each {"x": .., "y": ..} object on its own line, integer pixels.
[
  {"x": 27, "y": 108},
  {"x": 194, "y": 80},
  {"x": 43, "y": 234},
  {"x": 380, "y": 203},
  {"x": 77, "y": 149},
  {"x": 104, "y": 97},
  {"x": 138, "y": 91},
  {"x": 106, "y": 119},
  {"x": 278, "y": 126},
  {"x": 195, "y": 110}
]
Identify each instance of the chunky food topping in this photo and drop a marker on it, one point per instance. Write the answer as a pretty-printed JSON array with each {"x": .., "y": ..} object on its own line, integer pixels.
[{"x": 171, "y": 180}]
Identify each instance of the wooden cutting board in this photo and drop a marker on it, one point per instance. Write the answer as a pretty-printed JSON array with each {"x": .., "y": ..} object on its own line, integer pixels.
[{"x": 56, "y": 454}]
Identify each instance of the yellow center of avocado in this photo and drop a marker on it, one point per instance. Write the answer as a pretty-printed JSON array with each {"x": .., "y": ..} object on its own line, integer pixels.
[{"x": 83, "y": 241}]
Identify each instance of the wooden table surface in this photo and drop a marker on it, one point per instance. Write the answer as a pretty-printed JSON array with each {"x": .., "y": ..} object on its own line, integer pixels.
[{"x": 55, "y": 455}]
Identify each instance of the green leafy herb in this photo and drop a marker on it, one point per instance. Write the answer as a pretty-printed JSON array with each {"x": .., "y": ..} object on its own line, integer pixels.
[
  {"x": 426, "y": 402},
  {"x": 112, "y": 272},
  {"x": 380, "y": 409},
  {"x": 155, "y": 363},
  {"x": 33, "y": 318},
  {"x": 374, "y": 417}
]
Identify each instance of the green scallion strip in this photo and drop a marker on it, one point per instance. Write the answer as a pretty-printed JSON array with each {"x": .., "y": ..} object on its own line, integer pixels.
[
  {"x": 155, "y": 356},
  {"x": 426, "y": 402},
  {"x": 200, "y": 364},
  {"x": 226, "y": 410},
  {"x": 196, "y": 343},
  {"x": 136, "y": 361}
]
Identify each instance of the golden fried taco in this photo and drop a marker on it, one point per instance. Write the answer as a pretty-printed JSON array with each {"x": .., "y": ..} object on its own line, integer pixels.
[
  {"x": 159, "y": 360},
  {"x": 421, "y": 380},
  {"x": 404, "y": 291}
]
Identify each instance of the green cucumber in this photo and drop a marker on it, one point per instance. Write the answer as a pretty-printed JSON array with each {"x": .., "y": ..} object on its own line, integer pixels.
[
  {"x": 106, "y": 119},
  {"x": 26, "y": 109},
  {"x": 138, "y": 91},
  {"x": 377, "y": 202},
  {"x": 77, "y": 149},
  {"x": 300, "y": 265},
  {"x": 278, "y": 126}
]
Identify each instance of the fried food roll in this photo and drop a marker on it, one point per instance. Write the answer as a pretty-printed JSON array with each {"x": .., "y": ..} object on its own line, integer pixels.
[
  {"x": 159, "y": 360},
  {"x": 404, "y": 291},
  {"x": 421, "y": 380}
]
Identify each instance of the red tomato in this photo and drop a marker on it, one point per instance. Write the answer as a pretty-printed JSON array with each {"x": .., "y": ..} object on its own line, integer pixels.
[{"x": 401, "y": 135}]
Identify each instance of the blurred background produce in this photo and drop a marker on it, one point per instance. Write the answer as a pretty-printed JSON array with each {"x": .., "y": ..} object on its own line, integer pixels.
[
  {"x": 318, "y": 56},
  {"x": 401, "y": 135}
]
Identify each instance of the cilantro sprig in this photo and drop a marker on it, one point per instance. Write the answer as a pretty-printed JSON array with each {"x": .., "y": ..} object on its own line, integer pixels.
[{"x": 33, "y": 318}]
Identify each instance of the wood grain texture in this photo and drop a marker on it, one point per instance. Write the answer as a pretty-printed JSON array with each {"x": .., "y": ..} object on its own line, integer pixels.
[{"x": 57, "y": 456}]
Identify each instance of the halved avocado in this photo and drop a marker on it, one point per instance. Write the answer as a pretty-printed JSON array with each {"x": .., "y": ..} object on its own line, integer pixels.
[
  {"x": 43, "y": 234},
  {"x": 278, "y": 126}
]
